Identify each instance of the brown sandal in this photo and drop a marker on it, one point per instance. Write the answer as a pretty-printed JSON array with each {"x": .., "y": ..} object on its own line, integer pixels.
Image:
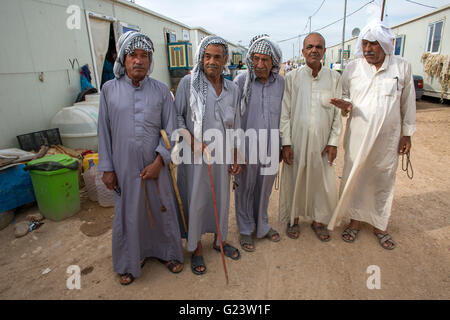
[
  {"x": 293, "y": 231},
  {"x": 172, "y": 265},
  {"x": 350, "y": 233},
  {"x": 321, "y": 232},
  {"x": 384, "y": 239},
  {"x": 273, "y": 235},
  {"x": 126, "y": 279}
]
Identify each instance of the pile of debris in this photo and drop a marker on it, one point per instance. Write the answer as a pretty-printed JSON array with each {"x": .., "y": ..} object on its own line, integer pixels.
[
  {"x": 438, "y": 66},
  {"x": 16, "y": 183}
]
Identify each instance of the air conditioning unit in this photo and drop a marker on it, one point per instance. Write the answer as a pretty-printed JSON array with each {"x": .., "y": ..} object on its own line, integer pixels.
[{"x": 180, "y": 55}]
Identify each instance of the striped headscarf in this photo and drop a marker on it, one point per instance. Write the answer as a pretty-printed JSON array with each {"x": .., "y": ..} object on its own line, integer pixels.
[
  {"x": 128, "y": 42},
  {"x": 264, "y": 45},
  {"x": 199, "y": 86}
]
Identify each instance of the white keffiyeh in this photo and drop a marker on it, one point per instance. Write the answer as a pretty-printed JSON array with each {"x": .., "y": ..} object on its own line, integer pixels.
[
  {"x": 264, "y": 45},
  {"x": 376, "y": 31},
  {"x": 199, "y": 86}
]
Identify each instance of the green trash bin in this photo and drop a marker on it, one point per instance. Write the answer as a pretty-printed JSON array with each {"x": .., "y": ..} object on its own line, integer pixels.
[{"x": 55, "y": 183}]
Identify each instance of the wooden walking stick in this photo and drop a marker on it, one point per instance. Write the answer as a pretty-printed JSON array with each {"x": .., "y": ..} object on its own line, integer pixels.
[
  {"x": 148, "y": 204},
  {"x": 174, "y": 182},
  {"x": 215, "y": 213},
  {"x": 171, "y": 166}
]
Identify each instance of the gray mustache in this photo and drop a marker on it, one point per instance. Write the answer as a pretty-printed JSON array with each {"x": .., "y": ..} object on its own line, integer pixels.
[
  {"x": 212, "y": 66},
  {"x": 369, "y": 53}
]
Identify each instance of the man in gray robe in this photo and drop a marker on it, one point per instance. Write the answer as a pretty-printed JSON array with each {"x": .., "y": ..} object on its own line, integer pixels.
[
  {"x": 133, "y": 110},
  {"x": 262, "y": 90},
  {"x": 206, "y": 102}
]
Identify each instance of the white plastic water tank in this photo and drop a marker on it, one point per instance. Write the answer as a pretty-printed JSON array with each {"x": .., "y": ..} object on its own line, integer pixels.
[
  {"x": 78, "y": 125},
  {"x": 90, "y": 99}
]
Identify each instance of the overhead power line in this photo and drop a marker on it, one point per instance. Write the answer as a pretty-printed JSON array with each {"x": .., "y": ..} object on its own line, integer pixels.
[
  {"x": 303, "y": 34},
  {"x": 317, "y": 9},
  {"x": 310, "y": 17},
  {"x": 421, "y": 4}
]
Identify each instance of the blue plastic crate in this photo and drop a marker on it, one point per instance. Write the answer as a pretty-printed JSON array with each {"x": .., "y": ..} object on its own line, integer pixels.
[{"x": 16, "y": 188}]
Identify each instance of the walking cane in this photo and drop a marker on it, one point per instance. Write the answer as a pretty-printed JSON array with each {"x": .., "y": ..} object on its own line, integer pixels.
[
  {"x": 174, "y": 182},
  {"x": 148, "y": 204},
  {"x": 215, "y": 214},
  {"x": 171, "y": 166}
]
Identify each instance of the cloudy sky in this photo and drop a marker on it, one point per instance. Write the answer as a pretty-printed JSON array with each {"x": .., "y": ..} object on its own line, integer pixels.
[{"x": 239, "y": 20}]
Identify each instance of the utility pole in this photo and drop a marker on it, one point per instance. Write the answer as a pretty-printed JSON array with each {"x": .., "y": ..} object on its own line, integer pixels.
[
  {"x": 382, "y": 10},
  {"x": 343, "y": 34},
  {"x": 293, "y": 52},
  {"x": 310, "y": 24},
  {"x": 299, "y": 47}
]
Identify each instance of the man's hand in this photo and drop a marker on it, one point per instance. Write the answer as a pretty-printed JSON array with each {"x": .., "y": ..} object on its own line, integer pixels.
[
  {"x": 288, "y": 154},
  {"x": 332, "y": 153},
  {"x": 341, "y": 104},
  {"x": 152, "y": 170},
  {"x": 195, "y": 145},
  {"x": 235, "y": 169},
  {"x": 109, "y": 179},
  {"x": 405, "y": 145}
]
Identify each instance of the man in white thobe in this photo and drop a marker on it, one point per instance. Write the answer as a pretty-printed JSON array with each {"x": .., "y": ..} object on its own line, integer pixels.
[
  {"x": 309, "y": 128},
  {"x": 379, "y": 94}
]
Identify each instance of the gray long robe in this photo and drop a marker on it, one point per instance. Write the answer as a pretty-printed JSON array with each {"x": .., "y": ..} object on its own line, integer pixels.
[
  {"x": 129, "y": 123},
  {"x": 193, "y": 179},
  {"x": 253, "y": 191}
]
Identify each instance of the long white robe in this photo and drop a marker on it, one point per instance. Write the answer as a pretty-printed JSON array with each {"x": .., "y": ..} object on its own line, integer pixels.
[
  {"x": 384, "y": 109},
  {"x": 308, "y": 124}
]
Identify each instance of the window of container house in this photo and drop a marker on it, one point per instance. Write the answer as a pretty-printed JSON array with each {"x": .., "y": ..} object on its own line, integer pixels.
[
  {"x": 399, "y": 45},
  {"x": 434, "y": 36},
  {"x": 171, "y": 36}
]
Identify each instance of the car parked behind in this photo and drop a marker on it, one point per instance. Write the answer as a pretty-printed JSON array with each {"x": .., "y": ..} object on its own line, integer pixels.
[{"x": 418, "y": 85}]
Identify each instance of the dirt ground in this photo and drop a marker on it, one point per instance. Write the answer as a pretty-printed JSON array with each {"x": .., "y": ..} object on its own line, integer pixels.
[{"x": 419, "y": 268}]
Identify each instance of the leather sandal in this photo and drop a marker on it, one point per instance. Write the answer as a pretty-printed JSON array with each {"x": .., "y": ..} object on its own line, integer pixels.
[
  {"x": 228, "y": 251},
  {"x": 270, "y": 235},
  {"x": 172, "y": 265},
  {"x": 350, "y": 232},
  {"x": 321, "y": 231},
  {"x": 293, "y": 231},
  {"x": 197, "y": 261},
  {"x": 246, "y": 241},
  {"x": 384, "y": 238},
  {"x": 126, "y": 279}
]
